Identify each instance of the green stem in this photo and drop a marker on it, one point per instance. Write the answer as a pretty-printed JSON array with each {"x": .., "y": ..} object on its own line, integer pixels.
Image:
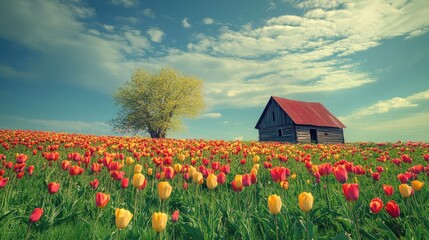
[
  {"x": 306, "y": 226},
  {"x": 28, "y": 231},
  {"x": 277, "y": 228},
  {"x": 356, "y": 221},
  {"x": 135, "y": 208}
]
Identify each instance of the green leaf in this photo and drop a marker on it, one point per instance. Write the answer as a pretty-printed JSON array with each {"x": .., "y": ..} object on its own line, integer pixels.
[{"x": 341, "y": 236}]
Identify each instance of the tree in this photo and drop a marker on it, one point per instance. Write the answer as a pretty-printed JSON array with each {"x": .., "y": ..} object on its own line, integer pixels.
[{"x": 156, "y": 103}]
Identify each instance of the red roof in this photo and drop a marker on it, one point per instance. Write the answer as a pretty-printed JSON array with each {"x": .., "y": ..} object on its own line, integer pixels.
[{"x": 308, "y": 113}]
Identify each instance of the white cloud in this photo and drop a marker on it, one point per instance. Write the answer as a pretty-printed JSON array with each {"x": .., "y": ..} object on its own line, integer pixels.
[
  {"x": 155, "y": 34},
  {"x": 108, "y": 27},
  {"x": 125, "y": 3},
  {"x": 211, "y": 115},
  {"x": 387, "y": 106},
  {"x": 208, "y": 21},
  {"x": 148, "y": 13},
  {"x": 185, "y": 23}
]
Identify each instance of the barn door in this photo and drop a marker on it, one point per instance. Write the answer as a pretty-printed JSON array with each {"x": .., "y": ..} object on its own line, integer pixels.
[{"x": 313, "y": 136}]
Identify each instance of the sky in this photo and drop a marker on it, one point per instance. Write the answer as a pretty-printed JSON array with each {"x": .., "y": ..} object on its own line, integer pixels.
[{"x": 366, "y": 61}]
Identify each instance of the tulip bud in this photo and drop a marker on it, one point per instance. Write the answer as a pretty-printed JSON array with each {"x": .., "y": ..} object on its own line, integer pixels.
[
  {"x": 274, "y": 204},
  {"x": 122, "y": 218},
  {"x": 305, "y": 201},
  {"x": 159, "y": 221}
]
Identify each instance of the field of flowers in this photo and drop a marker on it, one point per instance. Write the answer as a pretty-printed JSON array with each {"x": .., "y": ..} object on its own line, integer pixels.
[{"x": 70, "y": 186}]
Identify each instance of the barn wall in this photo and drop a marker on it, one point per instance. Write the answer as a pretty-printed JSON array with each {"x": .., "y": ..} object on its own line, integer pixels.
[
  {"x": 280, "y": 117},
  {"x": 272, "y": 134},
  {"x": 324, "y": 134}
]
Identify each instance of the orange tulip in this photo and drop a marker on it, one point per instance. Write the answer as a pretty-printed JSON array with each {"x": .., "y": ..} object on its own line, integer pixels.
[
  {"x": 101, "y": 199},
  {"x": 417, "y": 185}
]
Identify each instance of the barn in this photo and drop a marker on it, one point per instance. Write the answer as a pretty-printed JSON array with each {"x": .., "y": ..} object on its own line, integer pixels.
[{"x": 286, "y": 120}]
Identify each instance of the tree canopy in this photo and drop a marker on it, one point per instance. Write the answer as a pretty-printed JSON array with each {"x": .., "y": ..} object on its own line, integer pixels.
[{"x": 157, "y": 102}]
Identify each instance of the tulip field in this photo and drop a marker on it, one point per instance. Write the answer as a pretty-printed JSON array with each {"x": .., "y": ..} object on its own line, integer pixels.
[{"x": 74, "y": 186}]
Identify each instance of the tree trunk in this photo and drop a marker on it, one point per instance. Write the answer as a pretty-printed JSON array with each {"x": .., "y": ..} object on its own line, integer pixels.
[{"x": 157, "y": 134}]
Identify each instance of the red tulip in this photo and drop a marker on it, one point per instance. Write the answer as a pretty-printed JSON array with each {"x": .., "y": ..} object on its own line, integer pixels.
[
  {"x": 376, "y": 205},
  {"x": 225, "y": 169},
  {"x": 168, "y": 172},
  {"x": 3, "y": 181},
  {"x": 175, "y": 216},
  {"x": 96, "y": 167},
  {"x": 30, "y": 170},
  {"x": 185, "y": 185},
  {"x": 125, "y": 182},
  {"x": 75, "y": 170},
  {"x": 340, "y": 174},
  {"x": 117, "y": 175},
  {"x": 94, "y": 183},
  {"x": 253, "y": 178},
  {"x": 215, "y": 165},
  {"x": 325, "y": 169},
  {"x": 65, "y": 164},
  {"x": 279, "y": 174},
  {"x": 53, "y": 187},
  {"x": 376, "y": 176},
  {"x": 402, "y": 178},
  {"x": 246, "y": 179},
  {"x": 20, "y": 175},
  {"x": 36, "y": 215},
  {"x": 351, "y": 191},
  {"x": 388, "y": 190},
  {"x": 101, "y": 199},
  {"x": 392, "y": 209},
  {"x": 221, "y": 178}
]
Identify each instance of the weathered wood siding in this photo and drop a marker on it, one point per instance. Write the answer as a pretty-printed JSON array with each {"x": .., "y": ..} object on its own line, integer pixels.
[
  {"x": 272, "y": 134},
  {"x": 280, "y": 117},
  {"x": 324, "y": 134}
]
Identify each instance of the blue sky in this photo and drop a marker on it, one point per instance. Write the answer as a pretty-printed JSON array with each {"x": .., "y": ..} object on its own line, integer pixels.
[{"x": 366, "y": 61}]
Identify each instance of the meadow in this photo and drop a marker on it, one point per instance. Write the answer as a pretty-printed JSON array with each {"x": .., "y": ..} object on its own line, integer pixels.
[{"x": 73, "y": 186}]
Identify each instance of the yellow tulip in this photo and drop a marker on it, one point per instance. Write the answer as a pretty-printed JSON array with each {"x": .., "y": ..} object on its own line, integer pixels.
[
  {"x": 211, "y": 181},
  {"x": 129, "y": 160},
  {"x": 305, "y": 201},
  {"x": 198, "y": 178},
  {"x": 274, "y": 204},
  {"x": 149, "y": 171},
  {"x": 254, "y": 171},
  {"x": 138, "y": 168},
  {"x": 122, "y": 217},
  {"x": 405, "y": 190},
  {"x": 238, "y": 179},
  {"x": 177, "y": 167},
  {"x": 138, "y": 180},
  {"x": 181, "y": 157},
  {"x": 315, "y": 168},
  {"x": 164, "y": 190},
  {"x": 191, "y": 171},
  {"x": 293, "y": 176},
  {"x": 159, "y": 221},
  {"x": 256, "y": 166},
  {"x": 256, "y": 159},
  {"x": 417, "y": 185}
]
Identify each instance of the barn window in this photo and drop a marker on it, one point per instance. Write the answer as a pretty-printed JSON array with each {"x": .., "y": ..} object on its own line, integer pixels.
[
  {"x": 280, "y": 132},
  {"x": 274, "y": 117}
]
